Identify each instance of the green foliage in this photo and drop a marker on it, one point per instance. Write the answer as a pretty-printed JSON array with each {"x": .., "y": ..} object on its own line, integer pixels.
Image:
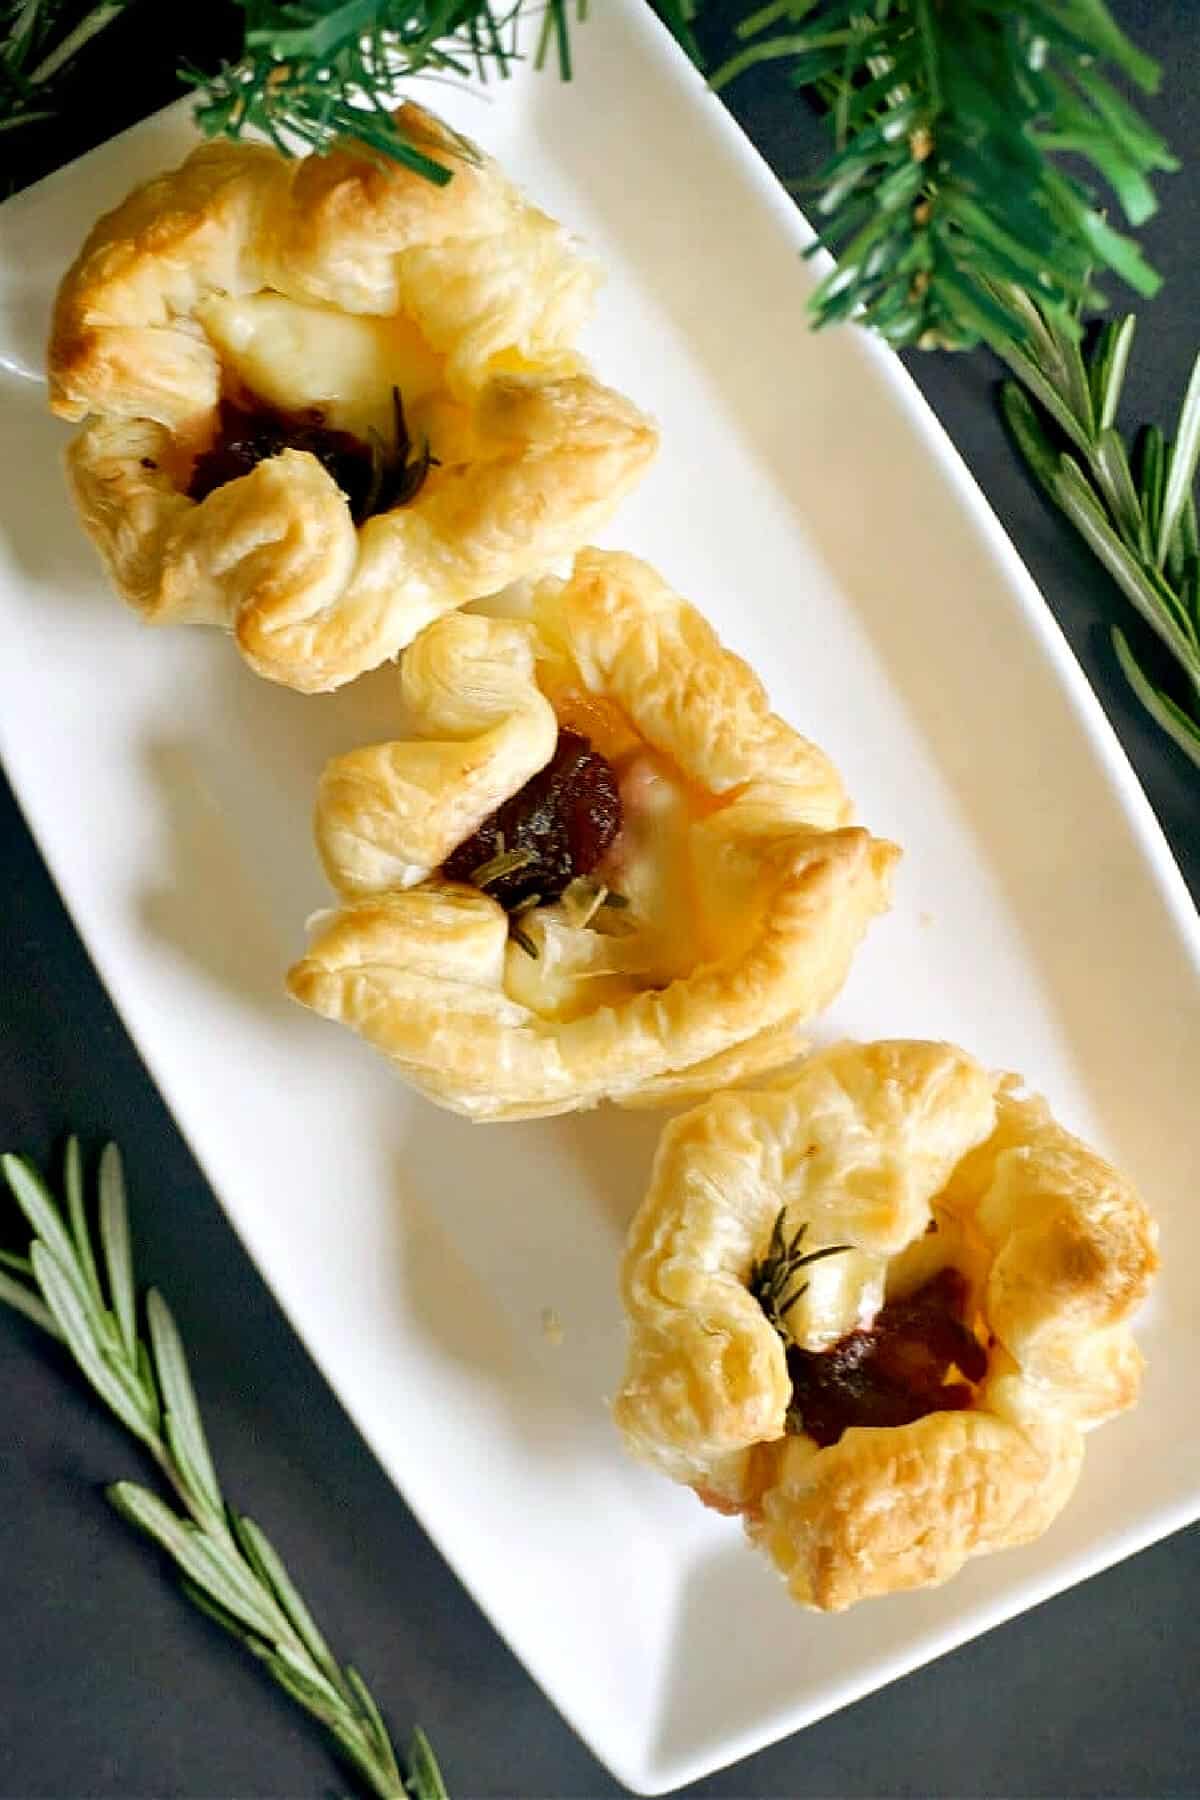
[
  {"x": 1137, "y": 514},
  {"x": 228, "y": 1566},
  {"x": 951, "y": 118},
  {"x": 314, "y": 69},
  {"x": 945, "y": 187},
  {"x": 38, "y": 40}
]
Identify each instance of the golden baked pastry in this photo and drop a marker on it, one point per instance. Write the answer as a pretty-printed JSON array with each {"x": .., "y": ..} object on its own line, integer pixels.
[
  {"x": 328, "y": 400},
  {"x": 874, "y": 1308},
  {"x": 600, "y": 868}
]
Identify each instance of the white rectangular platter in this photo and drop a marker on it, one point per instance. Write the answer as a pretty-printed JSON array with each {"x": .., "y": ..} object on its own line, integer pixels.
[{"x": 808, "y": 502}]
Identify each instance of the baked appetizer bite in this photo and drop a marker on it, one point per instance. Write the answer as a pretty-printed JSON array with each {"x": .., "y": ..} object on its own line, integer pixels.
[
  {"x": 598, "y": 868},
  {"x": 874, "y": 1309},
  {"x": 327, "y": 400}
]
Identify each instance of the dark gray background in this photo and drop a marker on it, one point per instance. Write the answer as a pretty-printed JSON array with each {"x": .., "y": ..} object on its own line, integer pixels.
[{"x": 111, "y": 1685}]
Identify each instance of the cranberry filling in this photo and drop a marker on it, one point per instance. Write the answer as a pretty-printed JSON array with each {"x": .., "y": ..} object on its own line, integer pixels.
[
  {"x": 372, "y": 479},
  {"x": 563, "y": 819},
  {"x": 893, "y": 1372}
]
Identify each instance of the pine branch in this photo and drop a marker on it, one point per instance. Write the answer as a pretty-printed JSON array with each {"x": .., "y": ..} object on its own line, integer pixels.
[
  {"x": 945, "y": 186},
  {"x": 313, "y": 70},
  {"x": 38, "y": 40},
  {"x": 229, "y": 1568},
  {"x": 1137, "y": 514},
  {"x": 944, "y": 191},
  {"x": 309, "y": 70}
]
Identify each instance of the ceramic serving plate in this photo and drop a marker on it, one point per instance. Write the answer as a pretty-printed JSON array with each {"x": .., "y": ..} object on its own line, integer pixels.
[{"x": 808, "y": 502}]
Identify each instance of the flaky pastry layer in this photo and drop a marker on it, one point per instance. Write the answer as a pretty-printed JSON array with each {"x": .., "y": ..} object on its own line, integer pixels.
[
  {"x": 867, "y": 1145},
  {"x": 748, "y": 890},
  {"x": 533, "y": 454}
]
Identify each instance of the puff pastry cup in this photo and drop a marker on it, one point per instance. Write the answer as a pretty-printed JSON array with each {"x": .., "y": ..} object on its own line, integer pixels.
[
  {"x": 279, "y": 307},
  {"x": 745, "y": 890},
  {"x": 926, "y": 1398}
]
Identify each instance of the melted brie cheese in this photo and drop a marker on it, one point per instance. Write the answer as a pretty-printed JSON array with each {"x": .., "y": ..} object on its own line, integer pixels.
[
  {"x": 656, "y": 938},
  {"x": 954, "y": 1244},
  {"x": 295, "y": 356},
  {"x": 844, "y": 1292},
  {"x": 651, "y": 864},
  {"x": 576, "y": 969}
]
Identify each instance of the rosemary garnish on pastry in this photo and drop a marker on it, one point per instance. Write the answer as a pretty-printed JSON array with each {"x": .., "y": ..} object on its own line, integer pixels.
[
  {"x": 774, "y": 1278},
  {"x": 498, "y": 867},
  {"x": 551, "y": 831},
  {"x": 503, "y": 862},
  {"x": 397, "y": 476},
  {"x": 581, "y": 899},
  {"x": 376, "y": 477},
  {"x": 229, "y": 1568}
]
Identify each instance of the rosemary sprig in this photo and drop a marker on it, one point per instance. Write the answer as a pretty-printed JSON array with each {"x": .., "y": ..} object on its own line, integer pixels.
[
  {"x": 228, "y": 1566},
  {"x": 308, "y": 70},
  {"x": 1137, "y": 514},
  {"x": 775, "y": 1278},
  {"x": 396, "y": 475},
  {"x": 948, "y": 122},
  {"x": 38, "y": 40},
  {"x": 312, "y": 70}
]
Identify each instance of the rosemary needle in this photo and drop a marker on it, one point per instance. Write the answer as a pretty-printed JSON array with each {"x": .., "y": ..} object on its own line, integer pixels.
[
  {"x": 229, "y": 1567},
  {"x": 775, "y": 1278}
]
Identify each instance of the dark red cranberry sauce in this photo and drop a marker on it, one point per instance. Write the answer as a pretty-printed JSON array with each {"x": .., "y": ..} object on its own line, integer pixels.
[
  {"x": 895, "y": 1370},
  {"x": 565, "y": 818},
  {"x": 373, "y": 480}
]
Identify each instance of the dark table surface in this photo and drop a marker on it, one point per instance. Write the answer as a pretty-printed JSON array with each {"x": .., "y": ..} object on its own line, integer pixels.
[{"x": 111, "y": 1685}]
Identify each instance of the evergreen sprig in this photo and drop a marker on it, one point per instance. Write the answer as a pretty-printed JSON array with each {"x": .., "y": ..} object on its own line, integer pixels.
[
  {"x": 1136, "y": 513},
  {"x": 229, "y": 1567},
  {"x": 39, "y": 39},
  {"x": 945, "y": 185},
  {"x": 951, "y": 117},
  {"x": 315, "y": 69},
  {"x": 776, "y": 1278},
  {"x": 309, "y": 70}
]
